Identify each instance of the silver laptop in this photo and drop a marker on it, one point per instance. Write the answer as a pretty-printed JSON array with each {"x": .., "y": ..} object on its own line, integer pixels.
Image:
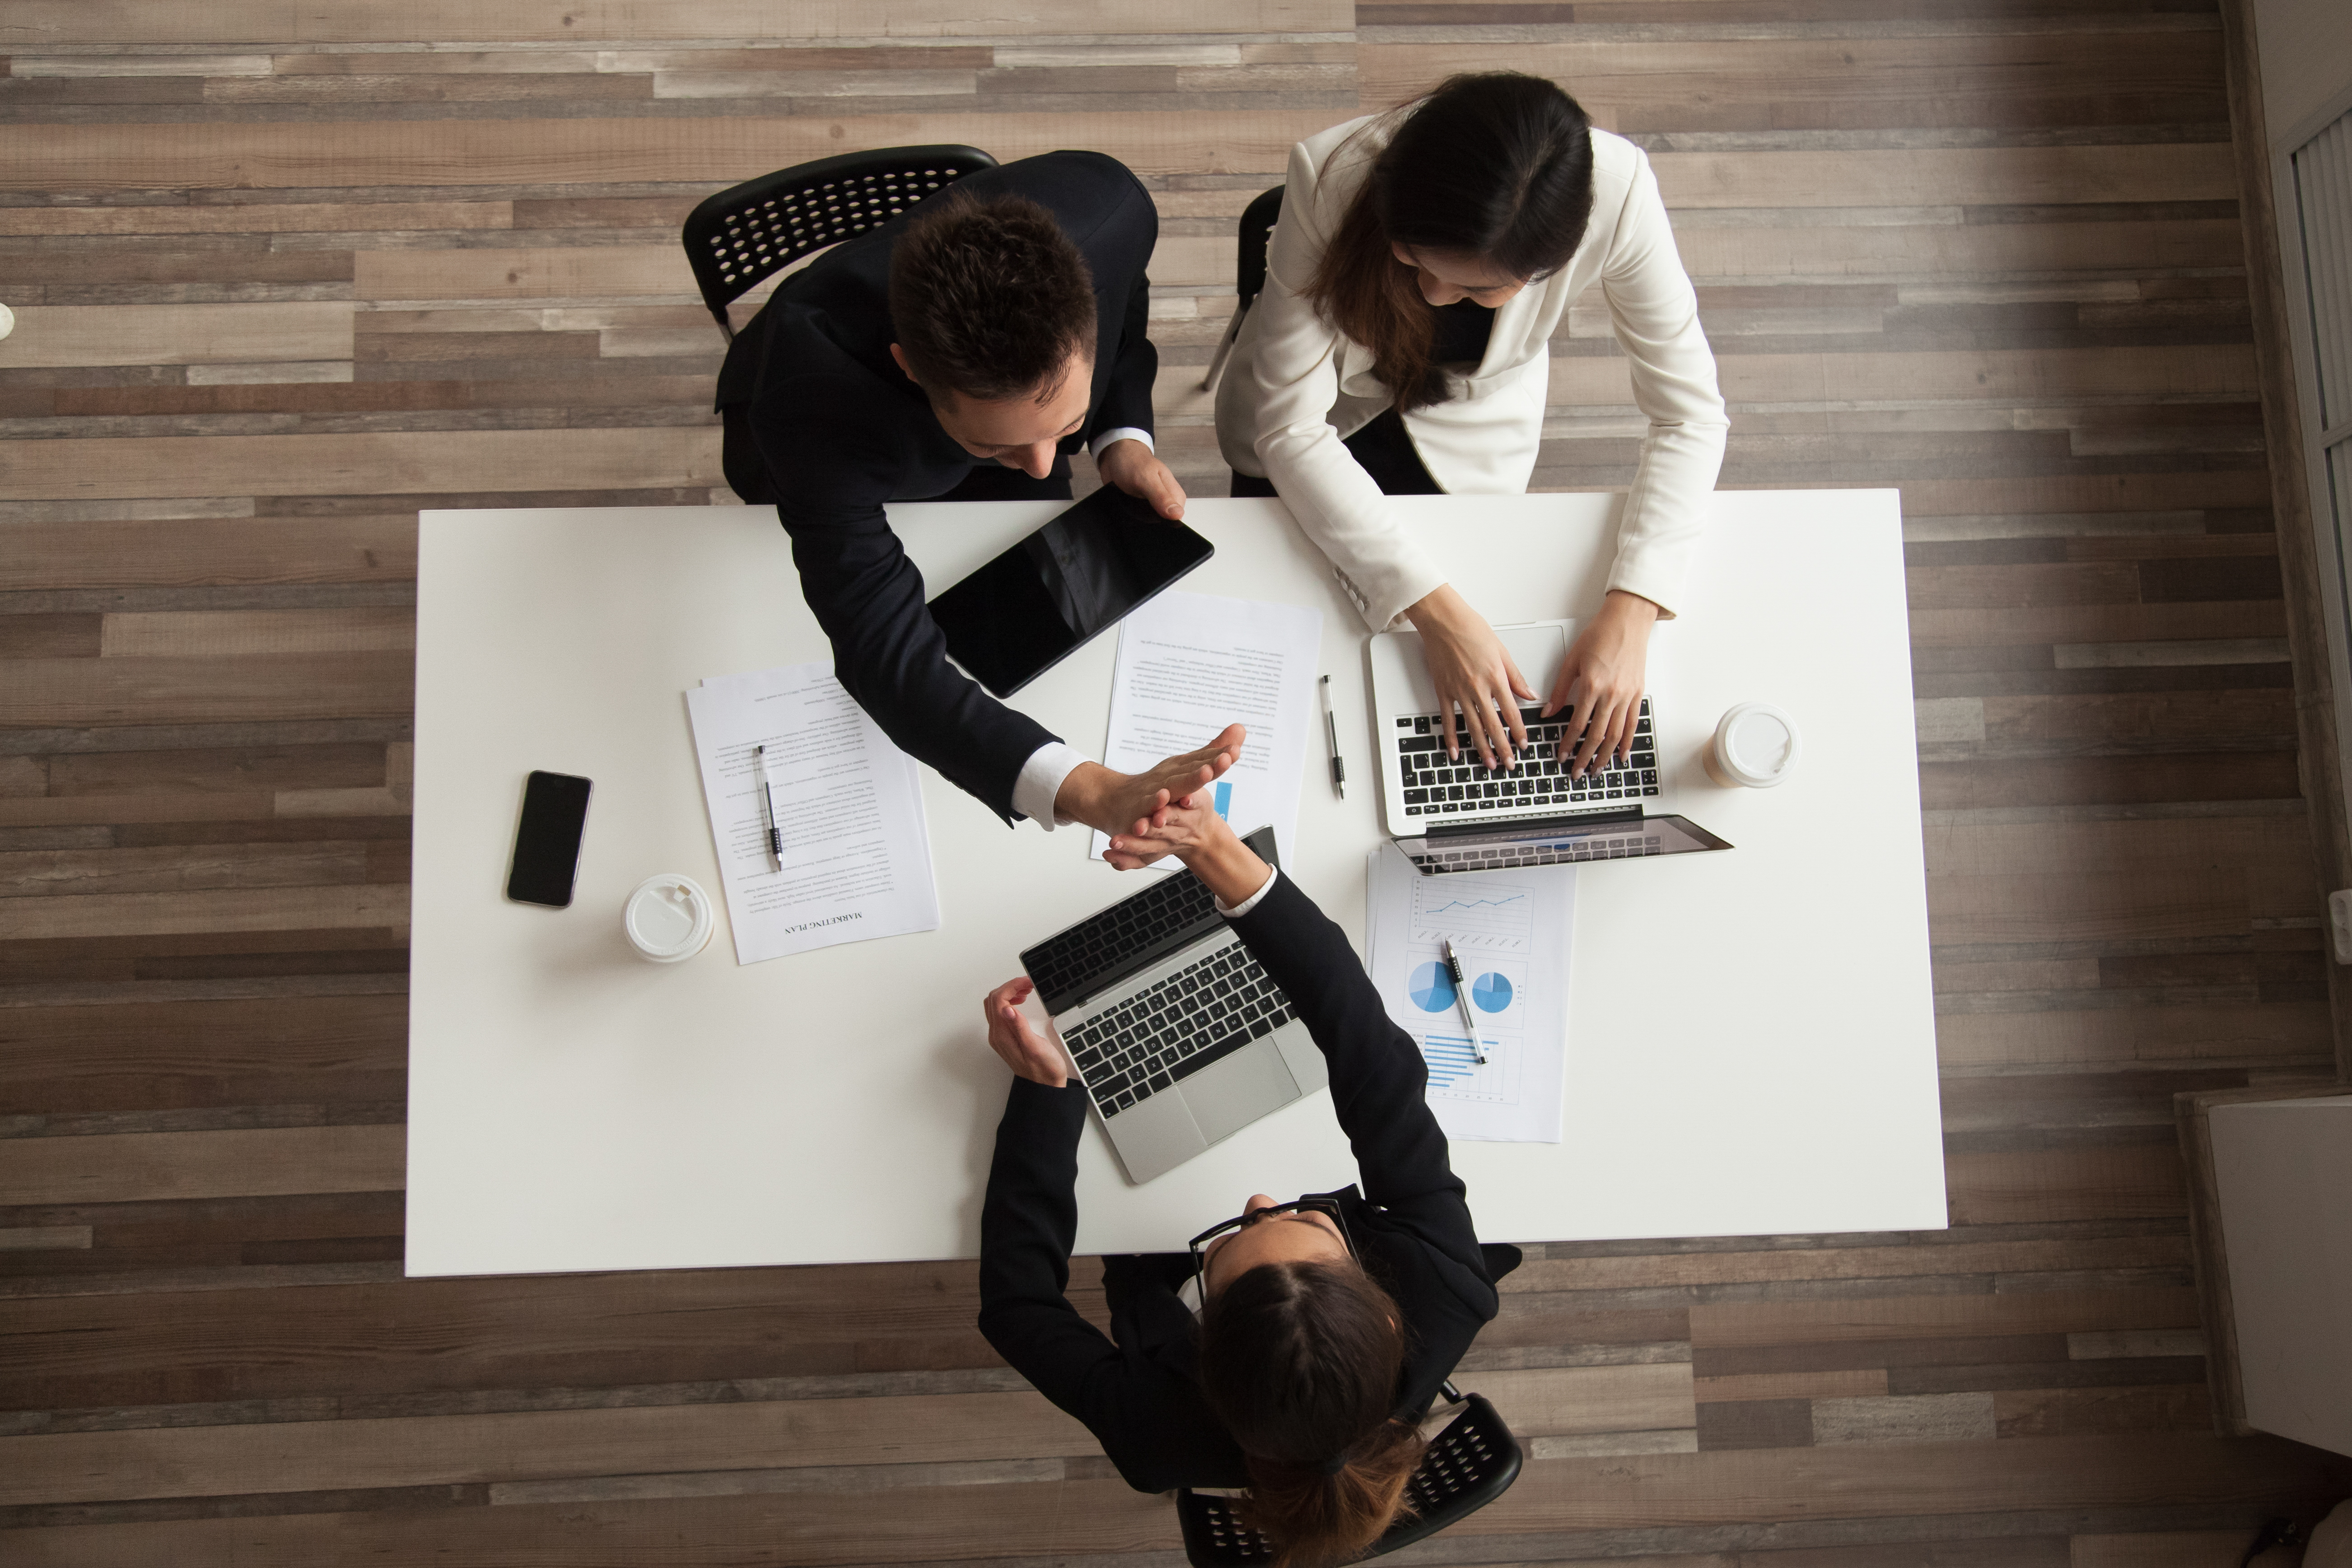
[
  {"x": 1459, "y": 815},
  {"x": 1181, "y": 1037}
]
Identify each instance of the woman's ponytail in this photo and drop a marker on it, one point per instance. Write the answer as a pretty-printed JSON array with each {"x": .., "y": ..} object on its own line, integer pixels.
[
  {"x": 1318, "y": 1516},
  {"x": 1300, "y": 1360}
]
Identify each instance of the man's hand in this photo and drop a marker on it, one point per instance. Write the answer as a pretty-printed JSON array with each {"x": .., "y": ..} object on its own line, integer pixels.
[
  {"x": 1115, "y": 802},
  {"x": 1023, "y": 1047},
  {"x": 1469, "y": 665},
  {"x": 1137, "y": 470},
  {"x": 1601, "y": 680}
]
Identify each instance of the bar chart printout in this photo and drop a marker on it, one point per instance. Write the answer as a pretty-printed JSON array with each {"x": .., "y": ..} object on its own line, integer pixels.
[{"x": 1510, "y": 931}]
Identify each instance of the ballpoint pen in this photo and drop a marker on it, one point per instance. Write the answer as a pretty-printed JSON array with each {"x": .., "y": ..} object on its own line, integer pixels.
[
  {"x": 1461, "y": 997},
  {"x": 1331, "y": 739},
  {"x": 768, "y": 806}
]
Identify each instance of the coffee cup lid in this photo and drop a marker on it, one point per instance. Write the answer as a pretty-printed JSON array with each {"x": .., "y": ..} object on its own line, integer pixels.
[
  {"x": 1757, "y": 744},
  {"x": 668, "y": 917}
]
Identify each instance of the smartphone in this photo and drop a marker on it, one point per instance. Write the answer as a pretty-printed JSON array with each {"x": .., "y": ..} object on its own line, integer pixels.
[
  {"x": 547, "y": 840},
  {"x": 1046, "y": 597}
]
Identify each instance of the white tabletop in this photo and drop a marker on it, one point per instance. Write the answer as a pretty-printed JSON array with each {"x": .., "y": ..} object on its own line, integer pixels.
[{"x": 1751, "y": 1035}]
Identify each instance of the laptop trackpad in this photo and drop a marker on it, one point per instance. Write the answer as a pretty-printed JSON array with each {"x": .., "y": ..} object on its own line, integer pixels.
[
  {"x": 1156, "y": 1136},
  {"x": 1236, "y": 1091},
  {"x": 1538, "y": 651}
]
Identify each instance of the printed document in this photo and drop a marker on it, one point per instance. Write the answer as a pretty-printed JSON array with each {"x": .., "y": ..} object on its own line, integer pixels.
[
  {"x": 1191, "y": 663},
  {"x": 1511, "y": 930},
  {"x": 849, "y": 805}
]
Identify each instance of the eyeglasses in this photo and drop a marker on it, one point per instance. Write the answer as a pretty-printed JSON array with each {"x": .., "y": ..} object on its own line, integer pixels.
[{"x": 1327, "y": 1208}]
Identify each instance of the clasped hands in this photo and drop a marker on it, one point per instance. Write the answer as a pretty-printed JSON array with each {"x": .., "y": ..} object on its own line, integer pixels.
[
  {"x": 1112, "y": 801},
  {"x": 1148, "y": 814}
]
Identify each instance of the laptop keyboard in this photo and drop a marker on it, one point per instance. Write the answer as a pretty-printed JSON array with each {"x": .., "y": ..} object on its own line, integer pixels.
[
  {"x": 1071, "y": 963},
  {"x": 1630, "y": 844},
  {"x": 1434, "y": 785},
  {"x": 1154, "y": 1040}
]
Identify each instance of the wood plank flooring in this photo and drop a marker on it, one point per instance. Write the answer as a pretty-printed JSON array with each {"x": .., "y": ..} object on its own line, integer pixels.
[{"x": 285, "y": 274}]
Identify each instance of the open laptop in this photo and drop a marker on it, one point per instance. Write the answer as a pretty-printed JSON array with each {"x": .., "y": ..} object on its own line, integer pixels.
[
  {"x": 1179, "y": 1035},
  {"x": 1449, "y": 815}
]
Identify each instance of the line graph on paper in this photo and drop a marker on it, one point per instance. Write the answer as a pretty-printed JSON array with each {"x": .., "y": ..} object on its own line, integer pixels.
[{"x": 1493, "y": 917}]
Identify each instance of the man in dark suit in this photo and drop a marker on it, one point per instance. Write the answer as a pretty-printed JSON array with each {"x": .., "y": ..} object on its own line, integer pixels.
[{"x": 962, "y": 352}]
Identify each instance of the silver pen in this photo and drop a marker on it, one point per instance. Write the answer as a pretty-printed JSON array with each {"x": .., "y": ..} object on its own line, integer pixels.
[
  {"x": 768, "y": 806},
  {"x": 1462, "y": 999},
  {"x": 1331, "y": 739}
]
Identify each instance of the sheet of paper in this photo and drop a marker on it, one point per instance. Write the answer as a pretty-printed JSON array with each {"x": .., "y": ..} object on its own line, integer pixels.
[
  {"x": 1191, "y": 663},
  {"x": 1511, "y": 930},
  {"x": 858, "y": 847}
]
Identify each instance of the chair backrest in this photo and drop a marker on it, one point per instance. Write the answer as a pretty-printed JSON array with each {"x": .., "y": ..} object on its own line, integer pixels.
[
  {"x": 751, "y": 231},
  {"x": 1468, "y": 1466},
  {"x": 1257, "y": 228},
  {"x": 1465, "y": 1467}
]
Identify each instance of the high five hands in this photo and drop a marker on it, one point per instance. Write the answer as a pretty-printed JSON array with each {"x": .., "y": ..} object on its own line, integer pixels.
[{"x": 1114, "y": 801}]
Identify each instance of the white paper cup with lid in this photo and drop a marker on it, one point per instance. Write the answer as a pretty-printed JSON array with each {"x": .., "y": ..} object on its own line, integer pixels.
[
  {"x": 1755, "y": 747},
  {"x": 668, "y": 919}
]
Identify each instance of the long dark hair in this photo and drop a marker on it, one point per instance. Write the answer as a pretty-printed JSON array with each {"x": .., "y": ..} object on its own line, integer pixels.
[
  {"x": 1299, "y": 1360},
  {"x": 1493, "y": 164}
]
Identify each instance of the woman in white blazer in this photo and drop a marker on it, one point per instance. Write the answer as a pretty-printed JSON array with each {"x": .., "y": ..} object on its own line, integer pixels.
[{"x": 1423, "y": 261}]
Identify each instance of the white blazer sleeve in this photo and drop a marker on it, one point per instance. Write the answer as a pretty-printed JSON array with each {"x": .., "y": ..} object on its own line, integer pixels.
[
  {"x": 1296, "y": 371},
  {"x": 1654, "y": 311}
]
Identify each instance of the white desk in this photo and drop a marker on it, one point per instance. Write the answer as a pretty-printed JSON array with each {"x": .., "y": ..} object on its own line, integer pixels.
[{"x": 1752, "y": 1039}]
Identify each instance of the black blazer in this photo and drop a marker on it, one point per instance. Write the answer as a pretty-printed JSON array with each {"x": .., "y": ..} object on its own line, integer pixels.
[
  {"x": 1411, "y": 1226},
  {"x": 839, "y": 429}
]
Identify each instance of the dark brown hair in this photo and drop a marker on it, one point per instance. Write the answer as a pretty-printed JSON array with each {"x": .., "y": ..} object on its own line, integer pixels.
[
  {"x": 990, "y": 298},
  {"x": 1494, "y": 164},
  {"x": 1299, "y": 1360}
]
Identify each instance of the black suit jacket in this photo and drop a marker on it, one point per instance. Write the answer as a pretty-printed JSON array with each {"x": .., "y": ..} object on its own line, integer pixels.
[
  {"x": 838, "y": 429},
  {"x": 1411, "y": 1226}
]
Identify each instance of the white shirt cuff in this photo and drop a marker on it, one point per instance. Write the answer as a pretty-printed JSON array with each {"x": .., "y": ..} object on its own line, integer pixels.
[
  {"x": 1041, "y": 780},
  {"x": 1124, "y": 433},
  {"x": 1247, "y": 905}
]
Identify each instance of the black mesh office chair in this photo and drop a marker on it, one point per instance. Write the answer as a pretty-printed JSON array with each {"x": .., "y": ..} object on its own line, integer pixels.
[
  {"x": 756, "y": 229},
  {"x": 1468, "y": 1466},
  {"x": 1249, "y": 274}
]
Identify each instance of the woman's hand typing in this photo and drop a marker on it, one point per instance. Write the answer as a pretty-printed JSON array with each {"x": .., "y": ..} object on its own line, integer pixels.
[
  {"x": 1470, "y": 668},
  {"x": 1602, "y": 681}
]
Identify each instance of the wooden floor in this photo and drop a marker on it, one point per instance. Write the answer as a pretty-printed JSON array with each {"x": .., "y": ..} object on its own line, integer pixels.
[{"x": 286, "y": 274}]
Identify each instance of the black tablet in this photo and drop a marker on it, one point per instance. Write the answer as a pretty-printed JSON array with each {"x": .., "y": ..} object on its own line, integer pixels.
[{"x": 1044, "y": 599}]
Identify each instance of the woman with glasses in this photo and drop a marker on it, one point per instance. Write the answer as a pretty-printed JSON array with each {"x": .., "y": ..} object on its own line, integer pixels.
[
  {"x": 1424, "y": 262},
  {"x": 1325, "y": 1326}
]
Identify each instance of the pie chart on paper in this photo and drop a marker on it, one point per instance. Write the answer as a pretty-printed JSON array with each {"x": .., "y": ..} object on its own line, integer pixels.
[
  {"x": 1491, "y": 993},
  {"x": 1432, "y": 989}
]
